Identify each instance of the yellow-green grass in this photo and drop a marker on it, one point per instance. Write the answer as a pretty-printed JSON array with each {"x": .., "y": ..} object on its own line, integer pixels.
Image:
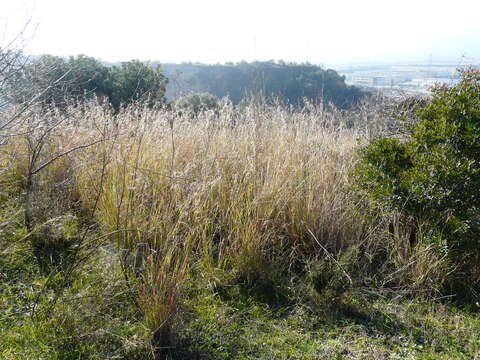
[{"x": 249, "y": 195}]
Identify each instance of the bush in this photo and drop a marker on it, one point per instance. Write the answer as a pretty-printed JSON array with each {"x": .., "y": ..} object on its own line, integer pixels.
[
  {"x": 433, "y": 176},
  {"x": 194, "y": 103}
]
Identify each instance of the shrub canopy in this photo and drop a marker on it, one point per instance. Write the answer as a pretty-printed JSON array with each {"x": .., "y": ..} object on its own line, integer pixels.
[{"x": 433, "y": 176}]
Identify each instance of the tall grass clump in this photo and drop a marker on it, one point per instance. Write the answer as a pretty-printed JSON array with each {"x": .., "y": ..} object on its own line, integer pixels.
[
  {"x": 239, "y": 188},
  {"x": 254, "y": 191}
]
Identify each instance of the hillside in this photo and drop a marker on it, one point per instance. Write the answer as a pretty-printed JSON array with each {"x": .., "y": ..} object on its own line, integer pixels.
[{"x": 292, "y": 83}]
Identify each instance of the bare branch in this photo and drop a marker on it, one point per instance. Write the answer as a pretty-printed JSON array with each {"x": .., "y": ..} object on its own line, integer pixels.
[{"x": 44, "y": 165}]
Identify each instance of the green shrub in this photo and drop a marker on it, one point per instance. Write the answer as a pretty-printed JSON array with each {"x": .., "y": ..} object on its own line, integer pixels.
[
  {"x": 194, "y": 103},
  {"x": 433, "y": 175}
]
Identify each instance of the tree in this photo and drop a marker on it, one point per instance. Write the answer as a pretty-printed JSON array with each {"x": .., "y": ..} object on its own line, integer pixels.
[
  {"x": 88, "y": 77},
  {"x": 80, "y": 78},
  {"x": 54, "y": 80},
  {"x": 291, "y": 82},
  {"x": 194, "y": 103},
  {"x": 136, "y": 81},
  {"x": 11, "y": 63}
]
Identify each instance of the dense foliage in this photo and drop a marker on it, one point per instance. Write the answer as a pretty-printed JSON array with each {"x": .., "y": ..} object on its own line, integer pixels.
[
  {"x": 54, "y": 80},
  {"x": 197, "y": 102},
  {"x": 433, "y": 177},
  {"x": 291, "y": 82},
  {"x": 134, "y": 80}
]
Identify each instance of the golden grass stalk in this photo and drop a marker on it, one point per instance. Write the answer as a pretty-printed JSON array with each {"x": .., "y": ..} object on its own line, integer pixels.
[{"x": 240, "y": 189}]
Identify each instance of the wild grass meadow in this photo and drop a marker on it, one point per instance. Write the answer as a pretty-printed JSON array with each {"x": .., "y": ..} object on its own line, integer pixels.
[{"x": 234, "y": 233}]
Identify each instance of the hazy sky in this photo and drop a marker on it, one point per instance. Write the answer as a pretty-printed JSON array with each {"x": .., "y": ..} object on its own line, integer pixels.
[{"x": 322, "y": 31}]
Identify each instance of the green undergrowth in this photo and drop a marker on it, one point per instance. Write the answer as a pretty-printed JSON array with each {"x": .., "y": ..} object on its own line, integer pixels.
[
  {"x": 222, "y": 317},
  {"x": 43, "y": 317},
  {"x": 95, "y": 319},
  {"x": 91, "y": 319},
  {"x": 241, "y": 321}
]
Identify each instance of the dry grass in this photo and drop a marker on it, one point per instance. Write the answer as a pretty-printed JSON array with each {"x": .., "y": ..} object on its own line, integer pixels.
[
  {"x": 236, "y": 194},
  {"x": 249, "y": 190}
]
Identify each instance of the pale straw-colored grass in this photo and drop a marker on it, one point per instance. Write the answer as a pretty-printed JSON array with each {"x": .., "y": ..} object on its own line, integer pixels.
[{"x": 243, "y": 189}]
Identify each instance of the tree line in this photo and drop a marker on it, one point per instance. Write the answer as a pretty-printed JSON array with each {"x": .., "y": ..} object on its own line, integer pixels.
[
  {"x": 291, "y": 82},
  {"x": 56, "y": 80}
]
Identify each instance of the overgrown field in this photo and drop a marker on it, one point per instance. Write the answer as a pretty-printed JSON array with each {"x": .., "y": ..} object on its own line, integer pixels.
[{"x": 229, "y": 234}]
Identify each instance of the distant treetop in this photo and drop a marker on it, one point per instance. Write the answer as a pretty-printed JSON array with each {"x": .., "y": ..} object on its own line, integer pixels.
[
  {"x": 291, "y": 82},
  {"x": 79, "y": 78}
]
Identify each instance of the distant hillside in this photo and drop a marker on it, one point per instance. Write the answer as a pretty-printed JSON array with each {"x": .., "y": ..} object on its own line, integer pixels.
[{"x": 291, "y": 82}]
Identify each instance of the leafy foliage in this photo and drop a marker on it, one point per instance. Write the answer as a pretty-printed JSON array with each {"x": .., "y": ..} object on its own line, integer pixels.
[
  {"x": 433, "y": 177},
  {"x": 291, "y": 82},
  {"x": 134, "y": 81},
  {"x": 56, "y": 81},
  {"x": 197, "y": 102}
]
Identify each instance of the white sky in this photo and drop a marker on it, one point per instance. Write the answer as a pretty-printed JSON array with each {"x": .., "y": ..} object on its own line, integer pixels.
[{"x": 322, "y": 31}]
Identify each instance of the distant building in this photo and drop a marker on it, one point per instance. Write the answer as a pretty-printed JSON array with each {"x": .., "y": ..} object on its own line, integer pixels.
[
  {"x": 361, "y": 80},
  {"x": 382, "y": 81}
]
